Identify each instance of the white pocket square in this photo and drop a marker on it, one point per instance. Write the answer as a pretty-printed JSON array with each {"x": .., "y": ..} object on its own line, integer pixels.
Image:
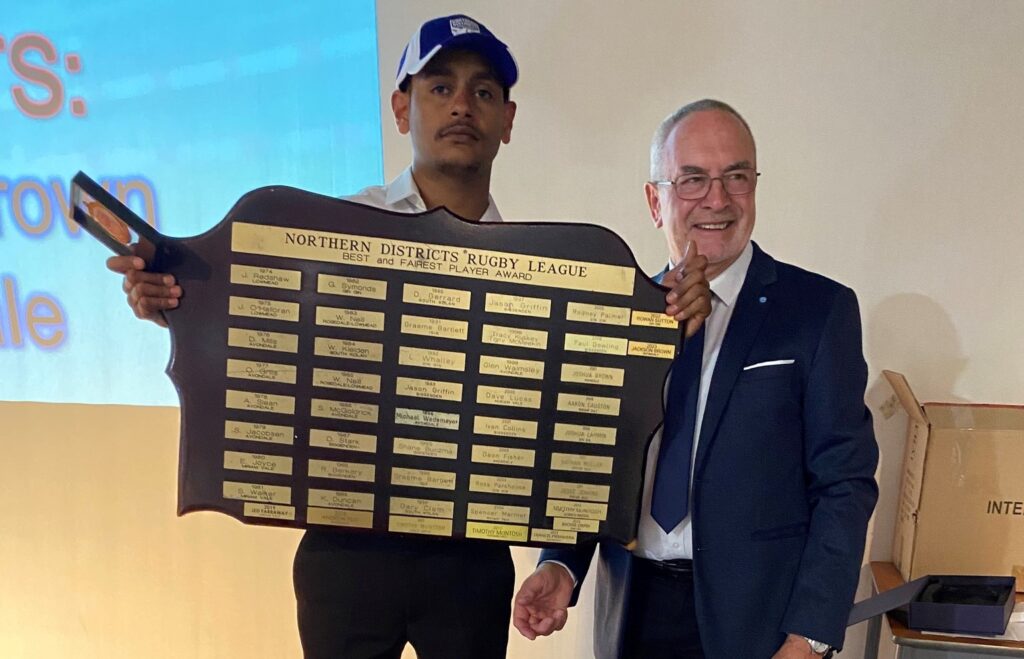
[{"x": 774, "y": 362}]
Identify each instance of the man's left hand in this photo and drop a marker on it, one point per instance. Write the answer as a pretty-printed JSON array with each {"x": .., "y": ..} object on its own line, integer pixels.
[{"x": 795, "y": 647}]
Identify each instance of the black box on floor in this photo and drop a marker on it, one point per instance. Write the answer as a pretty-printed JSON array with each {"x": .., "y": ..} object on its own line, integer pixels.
[
  {"x": 963, "y": 604},
  {"x": 956, "y": 604}
]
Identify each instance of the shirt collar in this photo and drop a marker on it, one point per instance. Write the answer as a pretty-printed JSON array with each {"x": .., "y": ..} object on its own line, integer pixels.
[
  {"x": 726, "y": 286},
  {"x": 403, "y": 188}
]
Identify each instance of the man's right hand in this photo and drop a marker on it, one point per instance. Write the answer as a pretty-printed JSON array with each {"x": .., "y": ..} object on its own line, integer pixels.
[
  {"x": 689, "y": 300},
  {"x": 542, "y": 603},
  {"x": 149, "y": 293}
]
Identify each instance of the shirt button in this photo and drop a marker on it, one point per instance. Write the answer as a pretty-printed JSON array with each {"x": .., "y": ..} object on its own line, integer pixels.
[{"x": 675, "y": 545}]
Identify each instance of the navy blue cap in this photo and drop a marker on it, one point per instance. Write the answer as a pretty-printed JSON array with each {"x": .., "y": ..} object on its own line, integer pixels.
[{"x": 456, "y": 31}]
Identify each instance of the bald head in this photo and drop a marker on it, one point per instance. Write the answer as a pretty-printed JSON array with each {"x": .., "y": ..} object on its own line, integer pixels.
[{"x": 664, "y": 129}]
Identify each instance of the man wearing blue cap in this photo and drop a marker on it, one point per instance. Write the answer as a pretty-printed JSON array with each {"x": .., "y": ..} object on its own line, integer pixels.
[{"x": 366, "y": 596}]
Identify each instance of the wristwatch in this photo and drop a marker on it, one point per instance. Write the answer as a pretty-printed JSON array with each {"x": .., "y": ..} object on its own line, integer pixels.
[{"x": 817, "y": 647}]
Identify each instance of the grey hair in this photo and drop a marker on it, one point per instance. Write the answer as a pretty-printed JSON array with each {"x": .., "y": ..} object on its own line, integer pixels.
[{"x": 670, "y": 122}]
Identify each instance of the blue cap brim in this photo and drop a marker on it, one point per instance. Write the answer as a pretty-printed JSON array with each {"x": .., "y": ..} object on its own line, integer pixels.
[{"x": 493, "y": 50}]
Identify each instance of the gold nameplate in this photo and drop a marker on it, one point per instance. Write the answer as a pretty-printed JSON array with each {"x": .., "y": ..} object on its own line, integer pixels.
[
  {"x": 516, "y": 337},
  {"x": 347, "y": 349},
  {"x": 570, "y": 432},
  {"x": 602, "y": 345},
  {"x": 442, "y": 328},
  {"x": 330, "y": 247},
  {"x": 654, "y": 319},
  {"x": 491, "y": 531},
  {"x": 346, "y": 380},
  {"x": 420, "y": 525},
  {"x": 597, "y": 313},
  {"x": 603, "y": 405},
  {"x": 250, "y": 275},
  {"x": 437, "y": 480},
  {"x": 578, "y": 491},
  {"x": 435, "y": 296},
  {"x": 346, "y": 471},
  {"x": 343, "y": 410},
  {"x": 340, "y": 499},
  {"x": 258, "y": 462},
  {"x": 258, "y": 432},
  {"x": 350, "y": 318},
  {"x": 570, "y": 524},
  {"x": 502, "y": 455},
  {"x": 656, "y": 350},
  {"x": 444, "y": 360},
  {"x": 492, "y": 425},
  {"x": 425, "y": 448},
  {"x": 269, "y": 511},
  {"x": 432, "y": 389},
  {"x": 300, "y": 243},
  {"x": 427, "y": 418},
  {"x": 250, "y": 307},
  {"x": 257, "y": 492},
  {"x": 577, "y": 509},
  {"x": 602, "y": 375},
  {"x": 260, "y": 340},
  {"x": 549, "y": 535},
  {"x": 508, "y": 397},
  {"x": 259, "y": 402},
  {"x": 422, "y": 507},
  {"x": 261, "y": 371},
  {"x": 357, "y": 519},
  {"x": 511, "y": 368},
  {"x": 501, "y": 485},
  {"x": 518, "y": 305},
  {"x": 373, "y": 289},
  {"x": 590, "y": 464},
  {"x": 345, "y": 441},
  {"x": 490, "y": 512}
]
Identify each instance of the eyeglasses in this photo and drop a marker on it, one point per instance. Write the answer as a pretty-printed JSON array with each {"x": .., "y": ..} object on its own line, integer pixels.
[{"x": 691, "y": 187}]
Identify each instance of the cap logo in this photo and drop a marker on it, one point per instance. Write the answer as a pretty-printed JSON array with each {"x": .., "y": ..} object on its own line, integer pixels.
[{"x": 463, "y": 25}]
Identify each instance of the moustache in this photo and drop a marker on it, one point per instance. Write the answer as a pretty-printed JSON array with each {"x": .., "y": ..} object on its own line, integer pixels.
[{"x": 459, "y": 128}]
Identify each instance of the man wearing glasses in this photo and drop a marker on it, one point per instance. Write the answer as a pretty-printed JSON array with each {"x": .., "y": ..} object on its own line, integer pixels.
[{"x": 759, "y": 490}]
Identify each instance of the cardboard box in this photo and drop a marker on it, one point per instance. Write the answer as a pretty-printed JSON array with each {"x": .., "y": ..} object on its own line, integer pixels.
[{"x": 961, "y": 504}]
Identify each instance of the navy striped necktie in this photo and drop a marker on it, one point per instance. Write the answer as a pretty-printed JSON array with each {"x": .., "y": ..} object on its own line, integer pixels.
[{"x": 670, "y": 502}]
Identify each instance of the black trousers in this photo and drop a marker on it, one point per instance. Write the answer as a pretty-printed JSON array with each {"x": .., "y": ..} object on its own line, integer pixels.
[
  {"x": 661, "y": 620},
  {"x": 365, "y": 597}
]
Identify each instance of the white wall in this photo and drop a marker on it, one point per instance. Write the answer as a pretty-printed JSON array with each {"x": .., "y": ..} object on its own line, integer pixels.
[{"x": 889, "y": 135}]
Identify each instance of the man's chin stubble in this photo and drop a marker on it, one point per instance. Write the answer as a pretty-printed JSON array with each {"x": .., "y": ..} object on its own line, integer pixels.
[{"x": 459, "y": 170}]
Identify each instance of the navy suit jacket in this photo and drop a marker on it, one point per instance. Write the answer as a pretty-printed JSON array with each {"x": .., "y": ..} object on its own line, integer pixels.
[{"x": 783, "y": 483}]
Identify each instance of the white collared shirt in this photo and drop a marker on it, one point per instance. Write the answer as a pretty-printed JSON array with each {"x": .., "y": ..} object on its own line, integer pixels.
[
  {"x": 402, "y": 195},
  {"x": 652, "y": 542}
]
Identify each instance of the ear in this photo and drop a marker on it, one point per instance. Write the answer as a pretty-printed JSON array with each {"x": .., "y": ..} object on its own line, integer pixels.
[
  {"x": 654, "y": 203},
  {"x": 510, "y": 115},
  {"x": 400, "y": 106}
]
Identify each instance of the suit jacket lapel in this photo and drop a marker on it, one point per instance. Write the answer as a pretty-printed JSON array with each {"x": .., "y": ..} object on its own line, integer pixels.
[{"x": 751, "y": 308}]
